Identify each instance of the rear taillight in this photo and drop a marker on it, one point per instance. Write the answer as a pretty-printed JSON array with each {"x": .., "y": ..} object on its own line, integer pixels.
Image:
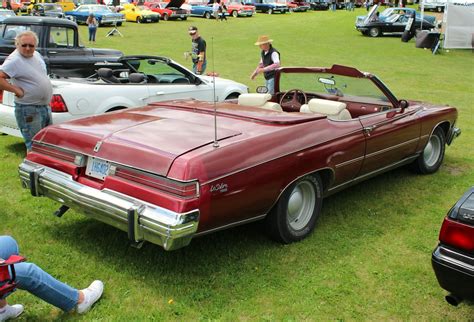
[
  {"x": 58, "y": 153},
  {"x": 458, "y": 235},
  {"x": 1, "y": 96},
  {"x": 185, "y": 190},
  {"x": 57, "y": 104}
]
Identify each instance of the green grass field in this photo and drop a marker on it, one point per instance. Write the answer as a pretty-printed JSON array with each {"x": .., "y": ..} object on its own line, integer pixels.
[{"x": 369, "y": 257}]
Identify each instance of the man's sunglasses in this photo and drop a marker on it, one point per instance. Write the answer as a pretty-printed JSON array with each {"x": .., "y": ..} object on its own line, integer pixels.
[{"x": 28, "y": 45}]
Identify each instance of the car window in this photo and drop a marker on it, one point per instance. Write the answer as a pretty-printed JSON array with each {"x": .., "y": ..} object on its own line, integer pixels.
[
  {"x": 61, "y": 37},
  {"x": 159, "y": 71},
  {"x": 323, "y": 83},
  {"x": 11, "y": 31}
]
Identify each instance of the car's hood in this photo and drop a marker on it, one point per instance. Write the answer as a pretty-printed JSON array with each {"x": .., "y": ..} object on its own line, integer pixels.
[{"x": 175, "y": 3}]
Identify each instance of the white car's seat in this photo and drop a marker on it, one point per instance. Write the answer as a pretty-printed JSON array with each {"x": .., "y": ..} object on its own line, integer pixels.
[
  {"x": 333, "y": 110},
  {"x": 258, "y": 100}
]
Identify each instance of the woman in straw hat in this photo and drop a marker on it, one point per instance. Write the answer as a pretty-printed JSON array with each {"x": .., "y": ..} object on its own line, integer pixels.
[{"x": 269, "y": 61}]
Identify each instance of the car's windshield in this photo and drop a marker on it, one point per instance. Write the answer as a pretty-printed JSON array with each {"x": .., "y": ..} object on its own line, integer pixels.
[
  {"x": 158, "y": 71},
  {"x": 324, "y": 83}
]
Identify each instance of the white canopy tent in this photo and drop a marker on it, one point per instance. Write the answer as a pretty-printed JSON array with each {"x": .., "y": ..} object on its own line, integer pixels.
[{"x": 459, "y": 25}]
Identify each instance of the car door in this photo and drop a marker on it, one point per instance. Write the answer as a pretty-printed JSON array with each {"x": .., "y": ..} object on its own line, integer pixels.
[
  {"x": 165, "y": 82},
  {"x": 392, "y": 135},
  {"x": 63, "y": 52}
]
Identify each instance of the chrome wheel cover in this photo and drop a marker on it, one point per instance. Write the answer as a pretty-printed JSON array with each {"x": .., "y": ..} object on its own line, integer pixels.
[
  {"x": 432, "y": 151},
  {"x": 301, "y": 205}
]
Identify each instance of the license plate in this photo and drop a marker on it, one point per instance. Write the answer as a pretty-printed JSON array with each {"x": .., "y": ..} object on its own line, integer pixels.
[
  {"x": 97, "y": 168},
  {"x": 148, "y": 20}
]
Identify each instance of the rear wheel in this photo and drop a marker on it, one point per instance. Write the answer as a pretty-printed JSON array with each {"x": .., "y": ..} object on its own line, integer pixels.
[
  {"x": 439, "y": 9},
  {"x": 119, "y": 24},
  {"x": 235, "y": 14},
  {"x": 270, "y": 11},
  {"x": 138, "y": 20},
  {"x": 374, "y": 32},
  {"x": 207, "y": 15},
  {"x": 165, "y": 17},
  {"x": 432, "y": 156},
  {"x": 297, "y": 211}
]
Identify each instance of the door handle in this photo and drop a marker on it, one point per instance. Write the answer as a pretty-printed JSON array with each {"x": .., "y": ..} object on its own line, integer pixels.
[
  {"x": 159, "y": 93},
  {"x": 368, "y": 129},
  {"x": 52, "y": 52}
]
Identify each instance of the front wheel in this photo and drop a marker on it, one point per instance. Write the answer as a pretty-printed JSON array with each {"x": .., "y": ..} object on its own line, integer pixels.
[
  {"x": 138, "y": 20},
  {"x": 207, "y": 15},
  {"x": 432, "y": 156},
  {"x": 439, "y": 9},
  {"x": 119, "y": 24},
  {"x": 297, "y": 211},
  {"x": 235, "y": 14},
  {"x": 165, "y": 17},
  {"x": 270, "y": 11},
  {"x": 374, "y": 32}
]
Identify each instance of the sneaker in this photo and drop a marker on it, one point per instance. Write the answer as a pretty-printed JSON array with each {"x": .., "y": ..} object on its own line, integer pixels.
[
  {"x": 10, "y": 311},
  {"x": 91, "y": 295}
]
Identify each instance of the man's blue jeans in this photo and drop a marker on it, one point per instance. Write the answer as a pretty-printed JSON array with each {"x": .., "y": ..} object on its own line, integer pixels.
[
  {"x": 33, "y": 279},
  {"x": 31, "y": 119},
  {"x": 270, "y": 84}
]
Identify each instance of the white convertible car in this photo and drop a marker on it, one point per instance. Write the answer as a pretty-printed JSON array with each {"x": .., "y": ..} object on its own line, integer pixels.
[{"x": 140, "y": 80}]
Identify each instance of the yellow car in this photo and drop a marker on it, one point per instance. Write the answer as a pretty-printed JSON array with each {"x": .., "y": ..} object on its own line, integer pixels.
[
  {"x": 139, "y": 14},
  {"x": 67, "y": 5}
]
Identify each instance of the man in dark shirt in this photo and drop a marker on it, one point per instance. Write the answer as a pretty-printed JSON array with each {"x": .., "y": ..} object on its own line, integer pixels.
[
  {"x": 269, "y": 61},
  {"x": 198, "y": 52}
]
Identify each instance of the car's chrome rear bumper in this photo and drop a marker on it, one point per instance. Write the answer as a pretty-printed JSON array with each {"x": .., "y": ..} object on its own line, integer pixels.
[{"x": 143, "y": 221}]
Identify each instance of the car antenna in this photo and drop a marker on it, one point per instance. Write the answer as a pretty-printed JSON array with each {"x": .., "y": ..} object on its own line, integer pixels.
[{"x": 216, "y": 143}]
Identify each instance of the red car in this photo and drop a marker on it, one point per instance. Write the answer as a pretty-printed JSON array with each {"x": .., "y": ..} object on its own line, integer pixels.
[
  {"x": 237, "y": 9},
  {"x": 174, "y": 170},
  {"x": 169, "y": 10}
]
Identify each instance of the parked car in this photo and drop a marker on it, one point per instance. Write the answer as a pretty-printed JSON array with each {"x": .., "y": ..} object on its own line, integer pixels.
[
  {"x": 66, "y": 5},
  {"x": 453, "y": 258},
  {"x": 139, "y": 14},
  {"x": 5, "y": 13},
  {"x": 168, "y": 10},
  {"x": 301, "y": 6},
  {"x": 435, "y": 5},
  {"x": 268, "y": 6},
  {"x": 139, "y": 80},
  {"x": 59, "y": 44},
  {"x": 103, "y": 14},
  {"x": 174, "y": 170},
  {"x": 319, "y": 4},
  {"x": 395, "y": 24},
  {"x": 388, "y": 12},
  {"x": 237, "y": 9},
  {"x": 47, "y": 10},
  {"x": 200, "y": 9}
]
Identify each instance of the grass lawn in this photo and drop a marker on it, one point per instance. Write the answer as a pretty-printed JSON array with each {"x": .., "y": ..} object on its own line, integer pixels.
[{"x": 369, "y": 258}]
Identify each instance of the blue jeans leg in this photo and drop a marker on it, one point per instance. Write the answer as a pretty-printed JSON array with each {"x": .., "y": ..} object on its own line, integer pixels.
[
  {"x": 92, "y": 32},
  {"x": 33, "y": 279},
  {"x": 31, "y": 119},
  {"x": 270, "y": 84}
]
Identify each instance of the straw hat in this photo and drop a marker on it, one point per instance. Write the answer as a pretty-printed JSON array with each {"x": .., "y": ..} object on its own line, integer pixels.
[{"x": 263, "y": 40}]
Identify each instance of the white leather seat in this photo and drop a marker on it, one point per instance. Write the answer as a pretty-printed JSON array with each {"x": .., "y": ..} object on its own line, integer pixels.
[
  {"x": 258, "y": 100},
  {"x": 333, "y": 110}
]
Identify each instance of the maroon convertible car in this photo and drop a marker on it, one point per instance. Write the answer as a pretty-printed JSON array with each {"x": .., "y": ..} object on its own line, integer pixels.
[{"x": 174, "y": 170}]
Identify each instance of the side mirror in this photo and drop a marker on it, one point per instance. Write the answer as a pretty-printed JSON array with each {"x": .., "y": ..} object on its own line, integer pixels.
[
  {"x": 197, "y": 81},
  {"x": 403, "y": 104},
  {"x": 261, "y": 89}
]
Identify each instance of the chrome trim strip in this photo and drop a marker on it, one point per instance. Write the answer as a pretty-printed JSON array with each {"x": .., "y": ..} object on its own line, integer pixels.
[
  {"x": 343, "y": 164},
  {"x": 150, "y": 222},
  {"x": 234, "y": 224},
  {"x": 390, "y": 148}
]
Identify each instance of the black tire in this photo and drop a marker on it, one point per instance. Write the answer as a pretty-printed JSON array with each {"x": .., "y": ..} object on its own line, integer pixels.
[
  {"x": 207, "y": 15},
  {"x": 235, "y": 14},
  {"x": 270, "y": 11},
  {"x": 432, "y": 156},
  {"x": 185, "y": 18},
  {"x": 139, "y": 20},
  {"x": 295, "y": 214},
  {"x": 119, "y": 24},
  {"x": 165, "y": 17},
  {"x": 374, "y": 32},
  {"x": 439, "y": 9}
]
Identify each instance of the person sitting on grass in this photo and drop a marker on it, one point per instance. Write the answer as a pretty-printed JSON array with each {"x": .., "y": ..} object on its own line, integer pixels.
[{"x": 33, "y": 279}]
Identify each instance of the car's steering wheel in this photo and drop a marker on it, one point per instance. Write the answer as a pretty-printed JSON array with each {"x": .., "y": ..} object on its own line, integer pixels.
[{"x": 294, "y": 103}]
